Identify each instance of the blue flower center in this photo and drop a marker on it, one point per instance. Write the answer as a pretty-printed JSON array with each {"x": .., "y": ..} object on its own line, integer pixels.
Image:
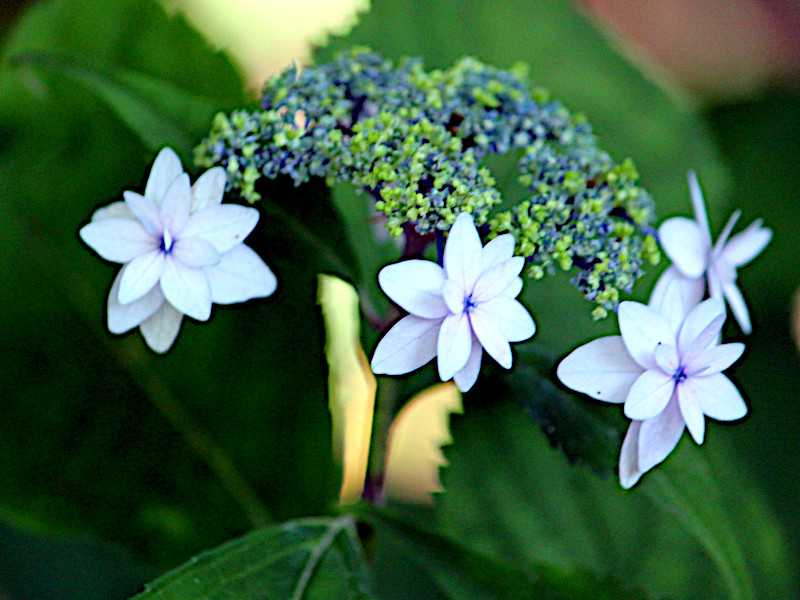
[
  {"x": 679, "y": 376},
  {"x": 469, "y": 304},
  {"x": 166, "y": 243}
]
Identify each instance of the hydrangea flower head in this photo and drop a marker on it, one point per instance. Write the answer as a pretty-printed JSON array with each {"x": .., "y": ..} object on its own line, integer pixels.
[
  {"x": 456, "y": 311},
  {"x": 666, "y": 368},
  {"x": 181, "y": 250},
  {"x": 688, "y": 244}
]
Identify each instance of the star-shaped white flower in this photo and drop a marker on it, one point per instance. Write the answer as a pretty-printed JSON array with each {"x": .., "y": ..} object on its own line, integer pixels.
[
  {"x": 688, "y": 245},
  {"x": 666, "y": 368},
  {"x": 455, "y": 311},
  {"x": 181, "y": 249}
]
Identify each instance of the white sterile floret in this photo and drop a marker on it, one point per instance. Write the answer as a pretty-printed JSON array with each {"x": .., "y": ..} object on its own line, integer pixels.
[
  {"x": 457, "y": 310},
  {"x": 666, "y": 368},
  {"x": 688, "y": 244},
  {"x": 181, "y": 250}
]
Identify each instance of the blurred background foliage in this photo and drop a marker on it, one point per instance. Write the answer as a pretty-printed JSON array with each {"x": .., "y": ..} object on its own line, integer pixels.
[{"x": 126, "y": 463}]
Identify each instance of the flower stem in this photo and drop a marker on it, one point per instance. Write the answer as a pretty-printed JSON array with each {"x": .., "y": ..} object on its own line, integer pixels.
[{"x": 385, "y": 409}]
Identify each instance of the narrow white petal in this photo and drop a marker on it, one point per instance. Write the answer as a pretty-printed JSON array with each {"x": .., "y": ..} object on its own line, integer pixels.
[
  {"x": 160, "y": 330},
  {"x": 408, "y": 345},
  {"x": 699, "y": 206},
  {"x": 118, "y": 240},
  {"x": 166, "y": 168},
  {"x": 713, "y": 360},
  {"x": 602, "y": 369},
  {"x": 726, "y": 231},
  {"x": 115, "y": 210},
  {"x": 224, "y": 226},
  {"x": 715, "y": 284},
  {"x": 195, "y": 252},
  {"x": 463, "y": 252},
  {"x": 144, "y": 210},
  {"x": 659, "y": 436},
  {"x": 738, "y": 305},
  {"x": 745, "y": 246},
  {"x": 491, "y": 338},
  {"x": 497, "y": 250},
  {"x": 454, "y": 345},
  {"x": 187, "y": 289},
  {"x": 208, "y": 189},
  {"x": 496, "y": 280},
  {"x": 123, "y": 317},
  {"x": 717, "y": 397},
  {"x": 642, "y": 330},
  {"x": 466, "y": 377},
  {"x": 453, "y": 295},
  {"x": 239, "y": 276},
  {"x": 140, "y": 275},
  {"x": 675, "y": 304},
  {"x": 629, "y": 472},
  {"x": 666, "y": 357},
  {"x": 684, "y": 243},
  {"x": 690, "y": 406},
  {"x": 416, "y": 286},
  {"x": 649, "y": 395},
  {"x": 175, "y": 206},
  {"x": 701, "y": 327},
  {"x": 509, "y": 316},
  {"x": 513, "y": 290}
]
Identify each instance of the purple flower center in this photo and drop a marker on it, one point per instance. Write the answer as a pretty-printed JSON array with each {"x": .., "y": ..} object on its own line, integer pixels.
[
  {"x": 680, "y": 375},
  {"x": 469, "y": 304},
  {"x": 166, "y": 243}
]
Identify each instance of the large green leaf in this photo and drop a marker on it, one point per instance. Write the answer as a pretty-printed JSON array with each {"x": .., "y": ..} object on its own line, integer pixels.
[
  {"x": 299, "y": 560},
  {"x": 167, "y": 455},
  {"x": 673, "y": 535}
]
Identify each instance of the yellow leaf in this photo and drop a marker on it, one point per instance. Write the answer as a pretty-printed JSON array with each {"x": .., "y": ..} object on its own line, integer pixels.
[
  {"x": 415, "y": 439},
  {"x": 351, "y": 384}
]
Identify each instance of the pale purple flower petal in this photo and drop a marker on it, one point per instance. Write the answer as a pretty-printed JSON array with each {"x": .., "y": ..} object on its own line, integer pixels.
[
  {"x": 453, "y": 294},
  {"x": 161, "y": 329},
  {"x": 187, "y": 289},
  {"x": 497, "y": 250},
  {"x": 602, "y": 369},
  {"x": 463, "y": 252},
  {"x": 118, "y": 240},
  {"x": 675, "y": 304},
  {"x": 415, "y": 286},
  {"x": 666, "y": 357},
  {"x": 496, "y": 280},
  {"x": 408, "y": 345},
  {"x": 115, "y": 210},
  {"x": 208, "y": 189},
  {"x": 713, "y": 360},
  {"x": 123, "y": 317},
  {"x": 629, "y": 471},
  {"x": 140, "y": 275},
  {"x": 467, "y": 376},
  {"x": 195, "y": 252},
  {"x": 659, "y": 436},
  {"x": 689, "y": 393},
  {"x": 239, "y": 276},
  {"x": 738, "y": 306},
  {"x": 175, "y": 205},
  {"x": 509, "y": 316},
  {"x": 701, "y": 327},
  {"x": 166, "y": 168},
  {"x": 684, "y": 243},
  {"x": 746, "y": 245},
  {"x": 454, "y": 345},
  {"x": 224, "y": 226},
  {"x": 699, "y": 206},
  {"x": 649, "y": 395},
  {"x": 145, "y": 211},
  {"x": 726, "y": 232},
  {"x": 514, "y": 288},
  {"x": 717, "y": 397},
  {"x": 642, "y": 330},
  {"x": 490, "y": 337}
]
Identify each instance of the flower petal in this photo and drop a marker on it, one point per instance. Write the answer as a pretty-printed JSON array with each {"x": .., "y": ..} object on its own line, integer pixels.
[
  {"x": 239, "y": 276},
  {"x": 726, "y": 231},
  {"x": 187, "y": 289},
  {"x": 224, "y": 226},
  {"x": 407, "y": 346},
  {"x": 454, "y": 345},
  {"x": 746, "y": 245},
  {"x": 416, "y": 286},
  {"x": 642, "y": 330},
  {"x": 509, "y": 316},
  {"x": 497, "y": 250},
  {"x": 602, "y": 369},
  {"x": 208, "y": 189},
  {"x": 684, "y": 243},
  {"x": 195, "y": 252},
  {"x": 629, "y": 472},
  {"x": 115, "y": 210},
  {"x": 490, "y": 337},
  {"x": 666, "y": 357},
  {"x": 716, "y": 396},
  {"x": 701, "y": 327},
  {"x": 699, "y": 206},
  {"x": 118, "y": 240},
  {"x": 453, "y": 295},
  {"x": 175, "y": 206},
  {"x": 140, "y": 275},
  {"x": 160, "y": 330},
  {"x": 143, "y": 209},
  {"x": 675, "y": 304},
  {"x": 738, "y": 306},
  {"x": 496, "y": 280},
  {"x": 649, "y": 395},
  {"x": 713, "y": 360},
  {"x": 659, "y": 436},
  {"x": 123, "y": 317},
  {"x": 689, "y": 392},
  {"x": 166, "y": 168},
  {"x": 463, "y": 252},
  {"x": 513, "y": 290},
  {"x": 466, "y": 377}
]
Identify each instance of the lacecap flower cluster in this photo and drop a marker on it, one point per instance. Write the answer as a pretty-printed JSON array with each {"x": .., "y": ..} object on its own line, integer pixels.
[{"x": 416, "y": 140}]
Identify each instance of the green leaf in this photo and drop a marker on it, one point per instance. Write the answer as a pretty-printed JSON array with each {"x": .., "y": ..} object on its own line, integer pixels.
[
  {"x": 157, "y": 111},
  {"x": 523, "y": 503},
  {"x": 410, "y": 558},
  {"x": 307, "y": 559}
]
